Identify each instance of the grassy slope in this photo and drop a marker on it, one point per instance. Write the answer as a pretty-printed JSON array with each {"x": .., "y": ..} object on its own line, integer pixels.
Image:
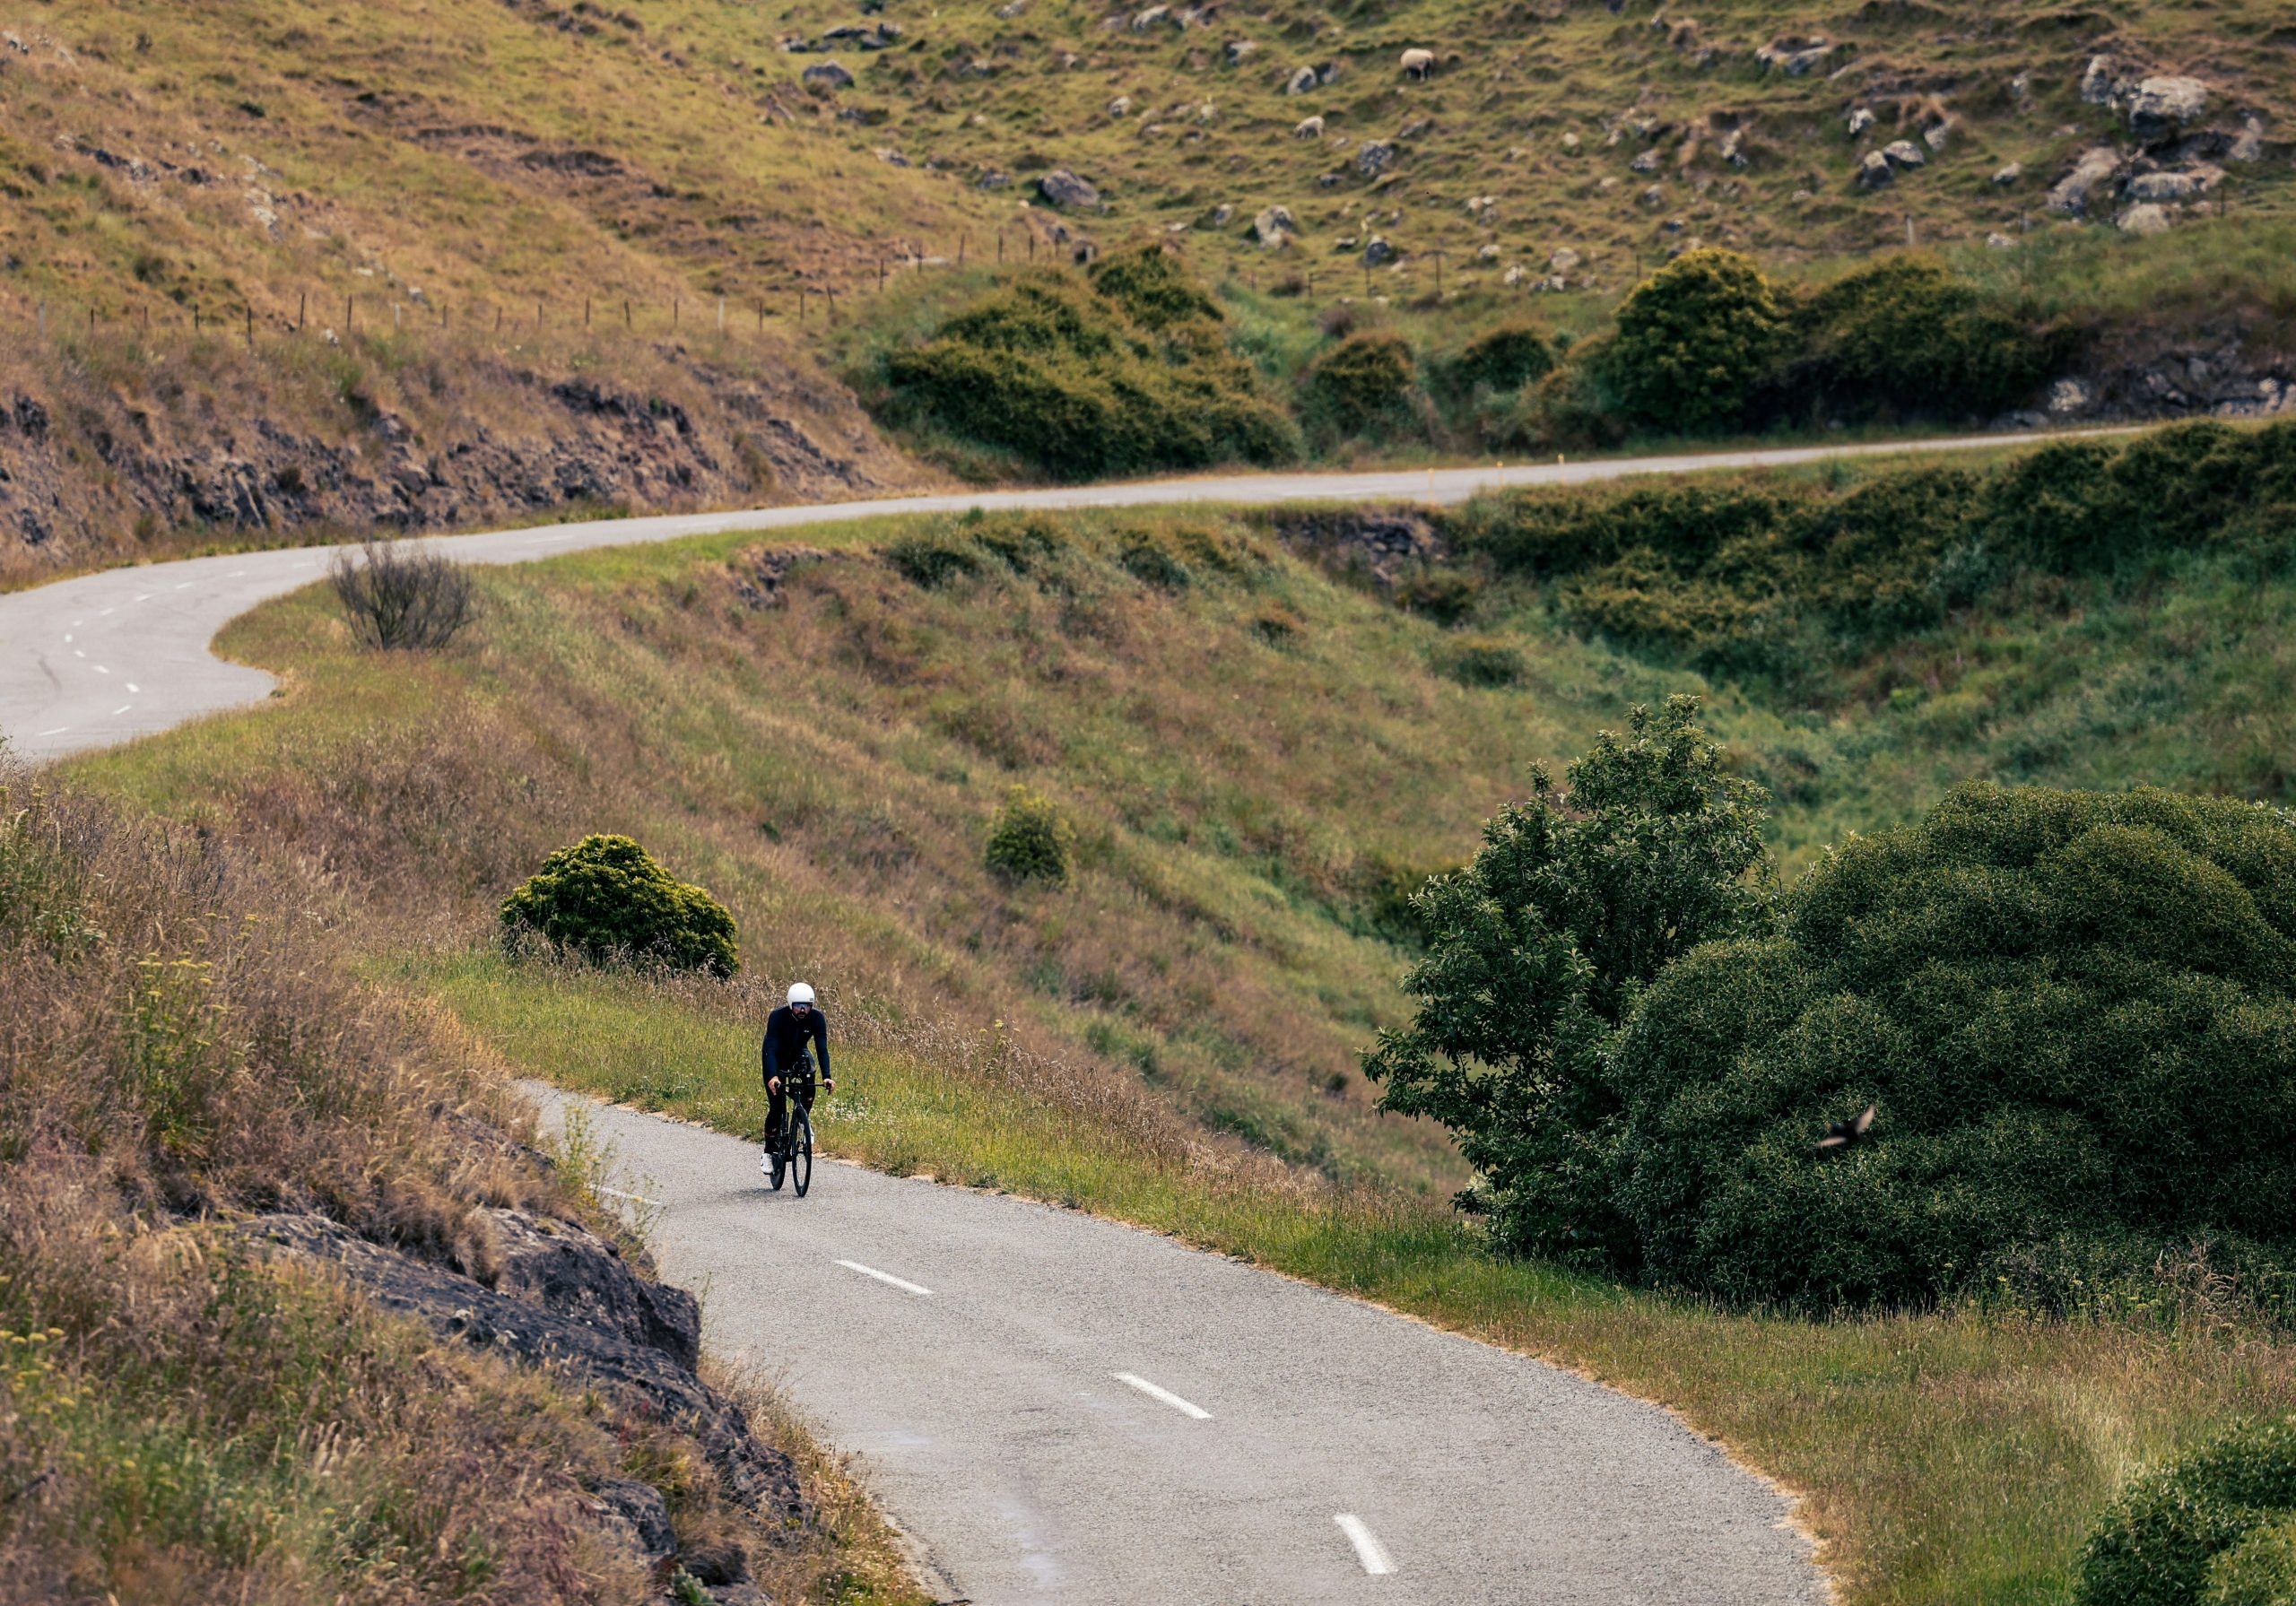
[{"x": 828, "y": 769}]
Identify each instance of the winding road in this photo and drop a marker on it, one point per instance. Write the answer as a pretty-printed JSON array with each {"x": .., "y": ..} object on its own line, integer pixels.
[
  {"x": 1058, "y": 1409},
  {"x": 100, "y": 659},
  {"x": 1061, "y": 1408}
]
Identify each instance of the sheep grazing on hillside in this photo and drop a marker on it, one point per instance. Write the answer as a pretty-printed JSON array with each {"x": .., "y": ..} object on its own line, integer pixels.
[
  {"x": 1418, "y": 64},
  {"x": 1309, "y": 128}
]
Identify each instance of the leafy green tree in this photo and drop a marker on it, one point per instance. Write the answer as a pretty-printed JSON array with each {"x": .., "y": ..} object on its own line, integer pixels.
[
  {"x": 606, "y": 898},
  {"x": 1535, "y": 951},
  {"x": 1695, "y": 340}
]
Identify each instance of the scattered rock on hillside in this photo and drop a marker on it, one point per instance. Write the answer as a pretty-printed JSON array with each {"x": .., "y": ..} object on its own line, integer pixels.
[
  {"x": 2189, "y": 184},
  {"x": 1794, "y": 55},
  {"x": 1998, "y": 242},
  {"x": 2009, "y": 175},
  {"x": 2145, "y": 218},
  {"x": 1936, "y": 135},
  {"x": 828, "y": 74},
  {"x": 2162, "y": 108},
  {"x": 2248, "y": 145},
  {"x": 571, "y": 1269},
  {"x": 1301, "y": 82},
  {"x": 2094, "y": 166},
  {"x": 1648, "y": 163},
  {"x": 1873, "y": 171},
  {"x": 1374, "y": 157},
  {"x": 1381, "y": 542},
  {"x": 1273, "y": 225},
  {"x": 2068, "y": 398},
  {"x": 646, "y": 1378},
  {"x": 1378, "y": 252},
  {"x": 1860, "y": 120},
  {"x": 1564, "y": 260},
  {"x": 1064, "y": 189},
  {"x": 2104, "y": 80},
  {"x": 1241, "y": 51},
  {"x": 1903, "y": 153}
]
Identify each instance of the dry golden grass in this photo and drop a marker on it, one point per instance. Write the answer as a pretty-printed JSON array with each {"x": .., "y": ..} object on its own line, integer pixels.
[{"x": 183, "y": 1421}]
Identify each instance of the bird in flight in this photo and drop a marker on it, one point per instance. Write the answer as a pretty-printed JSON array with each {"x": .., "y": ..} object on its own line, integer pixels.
[{"x": 1842, "y": 1134}]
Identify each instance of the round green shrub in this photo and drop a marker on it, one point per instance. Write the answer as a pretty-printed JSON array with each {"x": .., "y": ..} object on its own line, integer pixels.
[
  {"x": 1484, "y": 662},
  {"x": 1362, "y": 384},
  {"x": 2215, "y": 1527},
  {"x": 1029, "y": 840},
  {"x": 1695, "y": 340},
  {"x": 2075, "y": 1014},
  {"x": 607, "y": 899},
  {"x": 1152, "y": 563},
  {"x": 1507, "y": 358}
]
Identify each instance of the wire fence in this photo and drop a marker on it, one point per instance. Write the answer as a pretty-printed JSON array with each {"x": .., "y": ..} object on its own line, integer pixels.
[{"x": 796, "y": 299}]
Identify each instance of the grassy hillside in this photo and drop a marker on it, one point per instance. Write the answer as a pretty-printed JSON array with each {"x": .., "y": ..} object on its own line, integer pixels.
[
  {"x": 1256, "y": 758},
  {"x": 184, "y": 1418},
  {"x": 284, "y": 270}
]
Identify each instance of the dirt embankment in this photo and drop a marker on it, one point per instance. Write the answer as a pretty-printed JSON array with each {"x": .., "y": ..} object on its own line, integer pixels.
[{"x": 115, "y": 455}]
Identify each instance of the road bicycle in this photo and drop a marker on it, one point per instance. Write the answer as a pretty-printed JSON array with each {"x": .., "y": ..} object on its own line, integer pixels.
[{"x": 789, "y": 1152}]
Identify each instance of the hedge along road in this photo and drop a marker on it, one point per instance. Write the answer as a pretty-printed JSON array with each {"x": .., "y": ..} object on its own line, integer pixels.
[
  {"x": 98, "y": 660},
  {"x": 1061, "y": 1408},
  {"x": 1058, "y": 1408}
]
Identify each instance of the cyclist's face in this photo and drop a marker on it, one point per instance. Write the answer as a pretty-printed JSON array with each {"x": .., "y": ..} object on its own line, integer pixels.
[{"x": 801, "y": 1009}]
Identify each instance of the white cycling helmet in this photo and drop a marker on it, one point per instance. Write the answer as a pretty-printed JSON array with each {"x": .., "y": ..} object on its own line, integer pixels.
[{"x": 799, "y": 992}]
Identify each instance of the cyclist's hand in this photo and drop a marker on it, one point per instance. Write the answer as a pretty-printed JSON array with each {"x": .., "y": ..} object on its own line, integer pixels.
[
  {"x": 773, "y": 1084},
  {"x": 827, "y": 1083}
]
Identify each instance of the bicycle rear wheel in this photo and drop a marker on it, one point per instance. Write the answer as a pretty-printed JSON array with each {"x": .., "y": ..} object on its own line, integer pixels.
[
  {"x": 801, "y": 1152},
  {"x": 777, "y": 1165}
]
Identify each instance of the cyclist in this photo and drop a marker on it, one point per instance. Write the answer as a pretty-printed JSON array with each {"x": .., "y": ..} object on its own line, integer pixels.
[{"x": 787, "y": 1032}]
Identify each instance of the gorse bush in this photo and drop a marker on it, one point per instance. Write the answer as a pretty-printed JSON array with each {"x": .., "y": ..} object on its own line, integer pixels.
[
  {"x": 399, "y": 598},
  {"x": 1537, "y": 948},
  {"x": 605, "y": 898},
  {"x": 1482, "y": 660},
  {"x": 1506, "y": 358},
  {"x": 1362, "y": 385},
  {"x": 1029, "y": 841},
  {"x": 2075, "y": 1013},
  {"x": 1905, "y": 338},
  {"x": 1121, "y": 373},
  {"x": 2215, "y": 1527},
  {"x": 1694, "y": 341}
]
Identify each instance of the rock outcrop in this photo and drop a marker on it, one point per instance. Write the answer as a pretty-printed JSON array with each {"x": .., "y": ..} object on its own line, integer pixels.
[{"x": 572, "y": 1306}]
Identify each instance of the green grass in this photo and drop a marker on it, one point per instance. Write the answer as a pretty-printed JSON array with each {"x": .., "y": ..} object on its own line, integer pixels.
[{"x": 828, "y": 768}]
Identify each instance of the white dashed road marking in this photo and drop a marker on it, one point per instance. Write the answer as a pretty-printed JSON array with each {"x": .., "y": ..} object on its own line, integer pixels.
[
  {"x": 123, "y": 709},
  {"x": 58, "y": 730},
  {"x": 132, "y": 686},
  {"x": 1368, "y": 1550},
  {"x": 1164, "y": 1394},
  {"x": 901, "y": 1283}
]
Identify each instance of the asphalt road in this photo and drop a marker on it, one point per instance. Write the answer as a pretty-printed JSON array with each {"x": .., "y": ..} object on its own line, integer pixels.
[
  {"x": 94, "y": 661},
  {"x": 1057, "y": 1408}
]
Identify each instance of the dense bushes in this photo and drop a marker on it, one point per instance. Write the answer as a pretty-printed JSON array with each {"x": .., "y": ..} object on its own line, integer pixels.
[
  {"x": 1903, "y": 338},
  {"x": 2216, "y": 1527},
  {"x": 1360, "y": 385},
  {"x": 1506, "y": 358},
  {"x": 2075, "y": 1014},
  {"x": 606, "y": 898},
  {"x": 1781, "y": 578},
  {"x": 1123, "y": 373},
  {"x": 1707, "y": 343}
]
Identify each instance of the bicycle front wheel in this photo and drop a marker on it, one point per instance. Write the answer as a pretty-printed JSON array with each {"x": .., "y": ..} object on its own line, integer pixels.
[{"x": 801, "y": 1153}]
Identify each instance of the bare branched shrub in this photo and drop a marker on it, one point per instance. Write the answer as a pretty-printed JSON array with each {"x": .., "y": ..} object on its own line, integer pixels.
[{"x": 398, "y": 597}]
